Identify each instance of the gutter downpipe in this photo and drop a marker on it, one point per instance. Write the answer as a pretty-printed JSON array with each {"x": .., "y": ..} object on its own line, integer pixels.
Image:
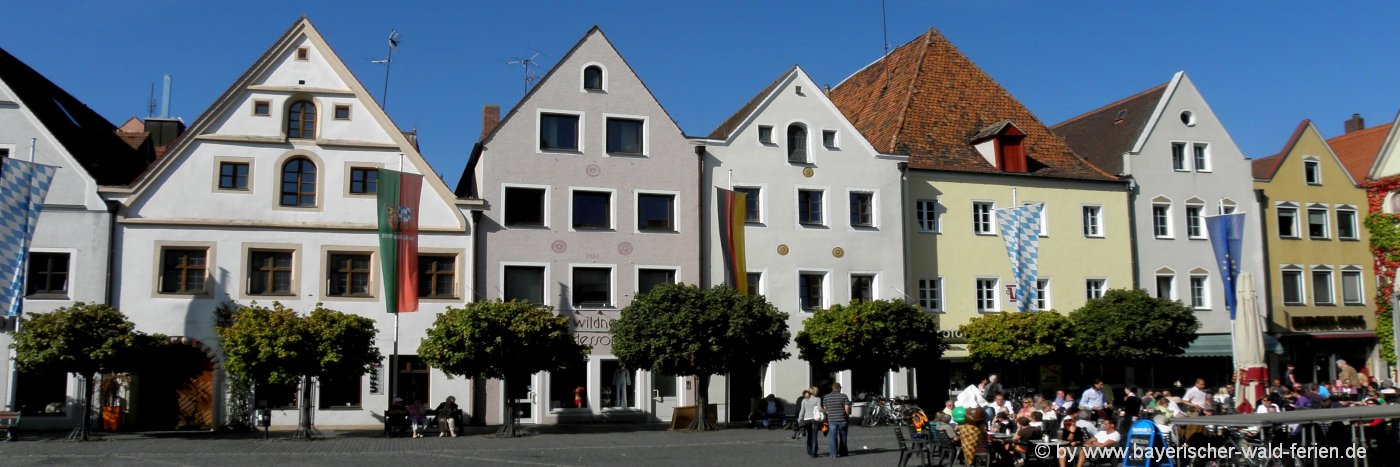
[{"x": 903, "y": 167}]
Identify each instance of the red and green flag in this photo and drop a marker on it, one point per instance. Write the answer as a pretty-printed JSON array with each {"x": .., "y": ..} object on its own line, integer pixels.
[{"x": 397, "y": 196}]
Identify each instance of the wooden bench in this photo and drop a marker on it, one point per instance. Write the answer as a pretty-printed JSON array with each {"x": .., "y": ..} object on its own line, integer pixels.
[{"x": 9, "y": 422}]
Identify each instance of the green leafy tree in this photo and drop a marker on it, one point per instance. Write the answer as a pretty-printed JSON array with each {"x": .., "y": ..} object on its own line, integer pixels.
[
  {"x": 84, "y": 339},
  {"x": 278, "y": 346},
  {"x": 1017, "y": 338},
  {"x": 1128, "y": 325},
  {"x": 876, "y": 335},
  {"x": 503, "y": 340},
  {"x": 683, "y": 330}
]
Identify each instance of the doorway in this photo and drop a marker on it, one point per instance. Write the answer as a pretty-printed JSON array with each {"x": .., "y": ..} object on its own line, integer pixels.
[
  {"x": 664, "y": 396},
  {"x": 175, "y": 391}
]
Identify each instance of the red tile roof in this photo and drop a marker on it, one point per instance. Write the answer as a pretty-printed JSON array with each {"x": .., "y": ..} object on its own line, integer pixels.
[
  {"x": 1358, "y": 150},
  {"x": 1265, "y": 167},
  {"x": 1102, "y": 135},
  {"x": 927, "y": 100}
]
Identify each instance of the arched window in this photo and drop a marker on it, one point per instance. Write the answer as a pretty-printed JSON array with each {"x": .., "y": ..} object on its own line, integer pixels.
[
  {"x": 797, "y": 143},
  {"x": 301, "y": 120},
  {"x": 593, "y": 78},
  {"x": 299, "y": 183}
]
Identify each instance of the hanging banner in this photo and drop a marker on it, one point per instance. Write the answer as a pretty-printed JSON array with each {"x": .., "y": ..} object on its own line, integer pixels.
[
  {"x": 733, "y": 210},
  {"x": 1020, "y": 230},
  {"x": 1227, "y": 240},
  {"x": 397, "y": 196},
  {"x": 23, "y": 186}
]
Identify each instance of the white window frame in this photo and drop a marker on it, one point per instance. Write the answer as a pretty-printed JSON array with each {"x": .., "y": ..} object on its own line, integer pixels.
[
  {"x": 1205, "y": 295},
  {"x": 1205, "y": 156},
  {"x": 1200, "y": 221},
  {"x": 637, "y": 211},
  {"x": 544, "y": 287},
  {"x": 936, "y": 296},
  {"x": 612, "y": 285},
  {"x": 1301, "y": 283},
  {"x": 1317, "y": 299},
  {"x": 1156, "y": 283},
  {"x": 826, "y": 287},
  {"x": 797, "y": 207},
  {"x": 546, "y": 189},
  {"x": 930, "y": 214},
  {"x": 1166, "y": 220},
  {"x": 1354, "y": 224},
  {"x": 637, "y": 275},
  {"x": 1044, "y": 295},
  {"x": 579, "y": 132},
  {"x": 612, "y": 209},
  {"x": 809, "y": 150},
  {"x": 1224, "y": 203},
  {"x": 1102, "y": 289},
  {"x": 759, "y": 134},
  {"x": 1185, "y": 161},
  {"x": 1326, "y": 221},
  {"x": 1360, "y": 286},
  {"x": 991, "y": 217},
  {"x": 1279, "y": 208},
  {"x": 1092, "y": 217},
  {"x": 874, "y": 208},
  {"x": 996, "y": 294},
  {"x": 874, "y": 284},
  {"x": 1044, "y": 216},
  {"x": 1312, "y": 171},
  {"x": 762, "y": 203},
  {"x": 646, "y": 134},
  {"x": 835, "y": 138},
  {"x": 762, "y": 281},
  {"x": 582, "y": 78}
]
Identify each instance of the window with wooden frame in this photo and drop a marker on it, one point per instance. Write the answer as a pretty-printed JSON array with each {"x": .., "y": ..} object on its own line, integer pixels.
[
  {"x": 301, "y": 120},
  {"x": 48, "y": 275},
  {"x": 183, "y": 270},
  {"x": 270, "y": 272},
  {"x": 298, "y": 183},
  {"x": 437, "y": 276},
  {"x": 348, "y": 275}
]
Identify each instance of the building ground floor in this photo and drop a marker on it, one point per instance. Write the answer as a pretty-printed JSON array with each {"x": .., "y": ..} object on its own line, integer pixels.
[{"x": 1315, "y": 355}]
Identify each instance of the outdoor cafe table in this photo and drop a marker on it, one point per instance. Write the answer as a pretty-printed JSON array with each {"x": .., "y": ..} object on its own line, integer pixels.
[{"x": 1308, "y": 418}]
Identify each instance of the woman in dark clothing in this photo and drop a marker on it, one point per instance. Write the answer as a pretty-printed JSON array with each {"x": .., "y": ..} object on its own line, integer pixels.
[
  {"x": 1074, "y": 439},
  {"x": 447, "y": 417}
]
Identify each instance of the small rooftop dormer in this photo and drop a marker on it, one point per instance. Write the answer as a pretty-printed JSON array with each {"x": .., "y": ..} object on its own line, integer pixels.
[{"x": 1000, "y": 145}]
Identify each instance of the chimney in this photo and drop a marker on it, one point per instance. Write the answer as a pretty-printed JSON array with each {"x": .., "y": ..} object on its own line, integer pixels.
[
  {"x": 1355, "y": 123},
  {"x": 490, "y": 117}
]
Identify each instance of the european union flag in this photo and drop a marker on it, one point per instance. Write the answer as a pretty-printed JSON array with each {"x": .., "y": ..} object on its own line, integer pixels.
[{"x": 1227, "y": 238}]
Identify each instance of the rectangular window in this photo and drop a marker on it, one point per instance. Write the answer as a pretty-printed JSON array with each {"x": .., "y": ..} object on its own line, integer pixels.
[
  {"x": 275, "y": 396},
  {"x": 183, "y": 270},
  {"x": 1166, "y": 286},
  {"x": 592, "y": 210},
  {"x": 558, "y": 132},
  {"x": 862, "y": 209},
  {"x": 342, "y": 111},
  {"x": 592, "y": 287},
  {"x": 262, "y": 108},
  {"x": 563, "y": 384},
  {"x": 1198, "y": 292},
  {"x": 650, "y": 278},
  {"x": 1346, "y": 224},
  {"x": 926, "y": 215},
  {"x": 625, "y": 136},
  {"x": 617, "y": 383},
  {"x": 1227, "y": 207},
  {"x": 987, "y": 295},
  {"x": 755, "y": 282},
  {"x": 829, "y": 138},
  {"x": 524, "y": 207},
  {"x": 301, "y": 53},
  {"x": 982, "y": 218},
  {"x": 765, "y": 134},
  {"x": 1161, "y": 221},
  {"x": 1201, "y": 152},
  {"x": 339, "y": 392},
  {"x": 1351, "y": 288},
  {"x": 931, "y": 294},
  {"x": 1093, "y": 221},
  {"x": 1194, "y": 227},
  {"x": 523, "y": 283},
  {"x": 1317, "y": 223},
  {"x": 1094, "y": 288},
  {"x": 437, "y": 276},
  {"x": 233, "y": 175},
  {"x": 364, "y": 180},
  {"x": 656, "y": 212},
  {"x": 1312, "y": 172},
  {"x": 810, "y": 290},
  {"x": 347, "y": 275},
  {"x": 48, "y": 275},
  {"x": 269, "y": 272},
  {"x": 42, "y": 391},
  {"x": 809, "y": 207},
  {"x": 1293, "y": 287},
  {"x": 751, "y": 203},
  {"x": 1042, "y": 294},
  {"x": 1179, "y": 157},
  {"x": 862, "y": 287},
  {"x": 1287, "y": 222},
  {"x": 1322, "y": 287}
]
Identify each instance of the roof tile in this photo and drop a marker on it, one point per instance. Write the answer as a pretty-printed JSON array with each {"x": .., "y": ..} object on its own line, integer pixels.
[
  {"x": 1102, "y": 135},
  {"x": 1358, "y": 150}
]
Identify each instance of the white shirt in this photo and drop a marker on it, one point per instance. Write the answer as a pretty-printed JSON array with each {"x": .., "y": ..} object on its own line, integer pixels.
[
  {"x": 1196, "y": 397},
  {"x": 1104, "y": 437},
  {"x": 971, "y": 398},
  {"x": 1092, "y": 399},
  {"x": 1004, "y": 407}
]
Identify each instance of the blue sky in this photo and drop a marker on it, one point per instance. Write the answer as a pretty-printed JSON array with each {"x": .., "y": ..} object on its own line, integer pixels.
[{"x": 1262, "y": 66}]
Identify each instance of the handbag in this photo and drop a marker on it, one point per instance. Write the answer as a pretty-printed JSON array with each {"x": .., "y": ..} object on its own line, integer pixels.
[{"x": 818, "y": 414}]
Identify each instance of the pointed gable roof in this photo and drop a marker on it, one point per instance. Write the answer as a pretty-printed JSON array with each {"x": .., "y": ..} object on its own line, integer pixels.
[
  {"x": 1359, "y": 150},
  {"x": 88, "y": 138},
  {"x": 927, "y": 100},
  {"x": 742, "y": 115},
  {"x": 1104, "y": 134},
  {"x": 1265, "y": 167}
]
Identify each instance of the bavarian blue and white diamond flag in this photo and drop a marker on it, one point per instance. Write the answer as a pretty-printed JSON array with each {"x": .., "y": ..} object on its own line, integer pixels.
[
  {"x": 1020, "y": 229},
  {"x": 23, "y": 186}
]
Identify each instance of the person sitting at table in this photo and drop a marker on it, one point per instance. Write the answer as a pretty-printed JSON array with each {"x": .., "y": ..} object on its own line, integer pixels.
[
  {"x": 972, "y": 434},
  {"x": 1105, "y": 438},
  {"x": 1037, "y": 420},
  {"x": 1072, "y": 439},
  {"x": 944, "y": 423},
  {"x": 1017, "y": 447}
]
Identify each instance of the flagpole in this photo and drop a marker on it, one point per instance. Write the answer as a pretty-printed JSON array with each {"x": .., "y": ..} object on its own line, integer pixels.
[{"x": 394, "y": 356}]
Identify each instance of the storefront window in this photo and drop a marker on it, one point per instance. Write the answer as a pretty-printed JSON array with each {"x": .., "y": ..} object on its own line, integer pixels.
[
  {"x": 274, "y": 396},
  {"x": 617, "y": 389},
  {"x": 568, "y": 388},
  {"x": 41, "y": 392},
  {"x": 869, "y": 382}
]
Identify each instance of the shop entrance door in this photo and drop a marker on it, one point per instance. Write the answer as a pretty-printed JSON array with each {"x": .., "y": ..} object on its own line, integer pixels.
[
  {"x": 522, "y": 392},
  {"x": 664, "y": 395}
]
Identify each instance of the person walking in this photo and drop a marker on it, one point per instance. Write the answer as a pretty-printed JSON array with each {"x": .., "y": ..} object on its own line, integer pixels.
[
  {"x": 838, "y": 407},
  {"x": 811, "y": 427},
  {"x": 447, "y": 417}
]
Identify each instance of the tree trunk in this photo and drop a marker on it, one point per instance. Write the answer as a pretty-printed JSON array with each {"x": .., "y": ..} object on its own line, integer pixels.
[
  {"x": 304, "y": 428},
  {"x": 702, "y": 405},
  {"x": 508, "y": 426}
]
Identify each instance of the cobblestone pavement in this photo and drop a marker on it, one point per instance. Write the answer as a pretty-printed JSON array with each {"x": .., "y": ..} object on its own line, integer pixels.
[{"x": 603, "y": 445}]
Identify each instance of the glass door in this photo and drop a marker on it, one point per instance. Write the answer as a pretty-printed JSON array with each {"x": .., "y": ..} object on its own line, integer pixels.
[{"x": 664, "y": 396}]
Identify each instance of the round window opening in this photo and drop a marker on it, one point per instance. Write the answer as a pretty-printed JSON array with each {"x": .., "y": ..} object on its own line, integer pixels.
[{"x": 1188, "y": 118}]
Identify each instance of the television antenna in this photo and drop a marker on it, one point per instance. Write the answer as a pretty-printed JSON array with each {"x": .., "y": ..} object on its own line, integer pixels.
[
  {"x": 388, "y": 62},
  {"x": 531, "y": 67}
]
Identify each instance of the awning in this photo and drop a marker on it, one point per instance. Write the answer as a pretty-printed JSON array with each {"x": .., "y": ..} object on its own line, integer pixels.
[{"x": 1219, "y": 345}]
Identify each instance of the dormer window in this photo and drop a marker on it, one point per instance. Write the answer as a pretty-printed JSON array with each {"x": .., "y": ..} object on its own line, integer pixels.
[
  {"x": 797, "y": 143},
  {"x": 593, "y": 78},
  {"x": 1001, "y": 145},
  {"x": 301, "y": 120}
]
